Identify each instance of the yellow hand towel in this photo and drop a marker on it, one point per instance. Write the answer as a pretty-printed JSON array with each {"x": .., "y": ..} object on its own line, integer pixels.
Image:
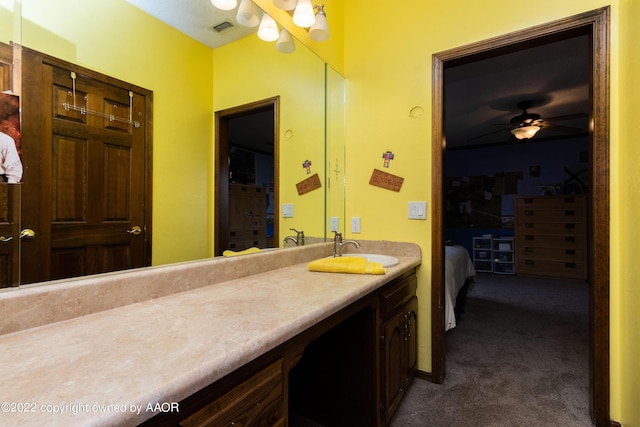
[
  {"x": 244, "y": 252},
  {"x": 351, "y": 264}
]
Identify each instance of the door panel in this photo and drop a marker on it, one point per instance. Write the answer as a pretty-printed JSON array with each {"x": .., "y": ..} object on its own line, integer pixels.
[{"x": 91, "y": 187}]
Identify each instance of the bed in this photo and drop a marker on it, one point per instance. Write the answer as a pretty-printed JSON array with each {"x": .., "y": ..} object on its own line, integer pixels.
[{"x": 458, "y": 278}]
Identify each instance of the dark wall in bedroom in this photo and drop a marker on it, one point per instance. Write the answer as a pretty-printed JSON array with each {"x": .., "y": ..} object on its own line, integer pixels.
[{"x": 482, "y": 183}]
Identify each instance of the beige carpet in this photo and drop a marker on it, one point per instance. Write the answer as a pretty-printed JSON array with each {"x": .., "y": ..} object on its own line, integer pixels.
[{"x": 518, "y": 357}]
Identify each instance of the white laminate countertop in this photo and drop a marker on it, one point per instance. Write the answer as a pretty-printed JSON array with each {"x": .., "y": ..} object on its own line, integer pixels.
[{"x": 124, "y": 365}]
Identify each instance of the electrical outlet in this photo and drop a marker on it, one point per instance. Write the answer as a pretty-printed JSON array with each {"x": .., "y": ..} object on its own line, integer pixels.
[
  {"x": 335, "y": 223},
  {"x": 287, "y": 210},
  {"x": 417, "y": 210},
  {"x": 355, "y": 224}
]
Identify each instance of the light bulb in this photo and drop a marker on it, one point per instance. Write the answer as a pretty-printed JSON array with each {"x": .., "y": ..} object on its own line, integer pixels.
[
  {"x": 319, "y": 31},
  {"x": 285, "y": 43},
  {"x": 303, "y": 16},
  {"x": 248, "y": 14},
  {"x": 286, "y": 4},
  {"x": 224, "y": 4},
  {"x": 268, "y": 30}
]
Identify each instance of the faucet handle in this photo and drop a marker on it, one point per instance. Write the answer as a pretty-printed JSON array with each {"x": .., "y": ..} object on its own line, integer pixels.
[
  {"x": 337, "y": 236},
  {"x": 299, "y": 237}
]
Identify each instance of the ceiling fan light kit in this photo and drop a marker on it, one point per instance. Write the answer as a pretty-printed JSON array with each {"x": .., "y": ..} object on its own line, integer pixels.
[{"x": 525, "y": 132}]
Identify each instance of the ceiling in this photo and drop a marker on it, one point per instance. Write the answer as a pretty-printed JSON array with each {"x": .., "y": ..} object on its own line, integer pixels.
[
  {"x": 481, "y": 96},
  {"x": 196, "y": 18}
]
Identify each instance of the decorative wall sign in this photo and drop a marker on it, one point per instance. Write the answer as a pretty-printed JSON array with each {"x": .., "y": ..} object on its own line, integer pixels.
[
  {"x": 309, "y": 184},
  {"x": 386, "y": 180}
]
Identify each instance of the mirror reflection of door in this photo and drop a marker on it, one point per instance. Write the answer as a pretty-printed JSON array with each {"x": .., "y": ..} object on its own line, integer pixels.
[
  {"x": 246, "y": 199},
  {"x": 9, "y": 197},
  {"x": 86, "y": 191}
]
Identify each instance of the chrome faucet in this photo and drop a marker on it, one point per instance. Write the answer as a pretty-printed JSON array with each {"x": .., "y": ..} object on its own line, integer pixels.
[
  {"x": 338, "y": 243},
  {"x": 298, "y": 240}
]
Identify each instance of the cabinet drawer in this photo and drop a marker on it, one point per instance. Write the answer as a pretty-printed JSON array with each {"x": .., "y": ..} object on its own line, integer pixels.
[
  {"x": 559, "y": 215},
  {"x": 546, "y": 241},
  {"x": 564, "y": 228},
  {"x": 257, "y": 401},
  {"x": 397, "y": 294},
  {"x": 568, "y": 269},
  {"x": 561, "y": 254},
  {"x": 551, "y": 202}
]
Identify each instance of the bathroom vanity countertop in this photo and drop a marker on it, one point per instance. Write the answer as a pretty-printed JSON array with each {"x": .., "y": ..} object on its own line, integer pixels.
[{"x": 124, "y": 365}]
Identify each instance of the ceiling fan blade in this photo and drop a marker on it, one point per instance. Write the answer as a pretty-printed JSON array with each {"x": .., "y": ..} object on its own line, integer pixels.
[
  {"x": 568, "y": 117},
  {"x": 563, "y": 129},
  {"x": 489, "y": 133}
]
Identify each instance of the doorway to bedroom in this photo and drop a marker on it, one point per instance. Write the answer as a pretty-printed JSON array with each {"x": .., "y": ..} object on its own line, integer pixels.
[{"x": 520, "y": 166}]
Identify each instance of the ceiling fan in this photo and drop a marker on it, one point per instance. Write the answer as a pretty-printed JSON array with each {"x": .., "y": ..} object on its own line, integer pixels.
[{"x": 526, "y": 125}]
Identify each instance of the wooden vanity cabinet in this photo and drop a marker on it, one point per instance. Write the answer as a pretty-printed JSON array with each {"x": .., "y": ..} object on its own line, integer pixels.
[
  {"x": 353, "y": 368},
  {"x": 398, "y": 360}
]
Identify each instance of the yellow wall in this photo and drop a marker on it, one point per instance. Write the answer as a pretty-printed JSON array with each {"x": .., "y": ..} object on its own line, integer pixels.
[
  {"x": 387, "y": 62},
  {"x": 388, "y": 54},
  {"x": 250, "y": 70}
]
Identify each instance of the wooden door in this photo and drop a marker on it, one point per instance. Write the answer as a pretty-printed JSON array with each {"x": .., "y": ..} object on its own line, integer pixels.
[{"x": 86, "y": 186}]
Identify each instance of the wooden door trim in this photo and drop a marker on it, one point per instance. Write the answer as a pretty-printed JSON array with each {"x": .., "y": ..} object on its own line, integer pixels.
[
  {"x": 597, "y": 23},
  {"x": 221, "y": 167}
]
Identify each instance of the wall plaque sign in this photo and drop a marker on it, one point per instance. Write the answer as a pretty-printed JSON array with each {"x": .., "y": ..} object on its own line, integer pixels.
[
  {"x": 309, "y": 184},
  {"x": 386, "y": 180}
]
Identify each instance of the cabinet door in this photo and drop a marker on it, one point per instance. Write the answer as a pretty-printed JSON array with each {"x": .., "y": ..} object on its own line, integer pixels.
[
  {"x": 393, "y": 365},
  {"x": 411, "y": 340},
  {"x": 257, "y": 402}
]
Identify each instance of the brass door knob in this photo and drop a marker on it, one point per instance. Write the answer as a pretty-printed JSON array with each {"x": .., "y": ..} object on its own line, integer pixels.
[
  {"x": 27, "y": 234},
  {"x": 135, "y": 230}
]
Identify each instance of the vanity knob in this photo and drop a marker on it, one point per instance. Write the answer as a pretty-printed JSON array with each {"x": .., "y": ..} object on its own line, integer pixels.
[
  {"x": 27, "y": 234},
  {"x": 135, "y": 230}
]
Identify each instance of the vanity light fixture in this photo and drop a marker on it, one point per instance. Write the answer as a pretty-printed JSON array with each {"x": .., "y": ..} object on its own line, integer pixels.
[
  {"x": 285, "y": 43},
  {"x": 268, "y": 30},
  {"x": 248, "y": 14},
  {"x": 286, "y": 4},
  {"x": 224, "y": 4},
  {"x": 525, "y": 132},
  {"x": 303, "y": 15},
  {"x": 319, "y": 31}
]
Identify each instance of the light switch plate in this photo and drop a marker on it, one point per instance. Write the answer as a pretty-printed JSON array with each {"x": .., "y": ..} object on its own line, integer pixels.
[
  {"x": 355, "y": 224},
  {"x": 417, "y": 210},
  {"x": 335, "y": 223},
  {"x": 287, "y": 210}
]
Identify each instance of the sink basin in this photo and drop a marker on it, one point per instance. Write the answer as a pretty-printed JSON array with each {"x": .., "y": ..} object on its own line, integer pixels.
[{"x": 385, "y": 260}]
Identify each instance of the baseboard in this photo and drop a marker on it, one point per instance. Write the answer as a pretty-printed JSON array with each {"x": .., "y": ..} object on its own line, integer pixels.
[{"x": 423, "y": 375}]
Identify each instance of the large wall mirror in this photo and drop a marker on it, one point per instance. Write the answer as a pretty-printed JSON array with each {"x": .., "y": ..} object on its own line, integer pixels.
[{"x": 116, "y": 39}]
